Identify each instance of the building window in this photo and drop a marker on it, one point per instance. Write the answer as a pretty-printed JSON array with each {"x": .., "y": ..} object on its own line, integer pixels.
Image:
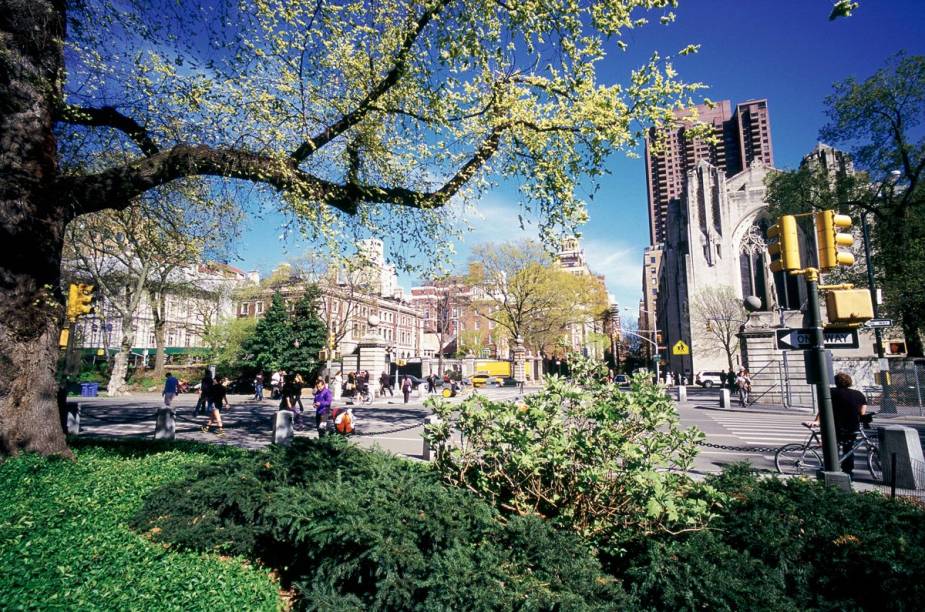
[
  {"x": 244, "y": 308},
  {"x": 258, "y": 307}
]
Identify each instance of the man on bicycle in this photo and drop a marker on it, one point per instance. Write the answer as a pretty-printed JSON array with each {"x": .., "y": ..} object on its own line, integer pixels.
[{"x": 848, "y": 406}]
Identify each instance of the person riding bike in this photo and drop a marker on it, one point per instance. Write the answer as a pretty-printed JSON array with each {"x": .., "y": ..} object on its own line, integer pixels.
[{"x": 848, "y": 408}]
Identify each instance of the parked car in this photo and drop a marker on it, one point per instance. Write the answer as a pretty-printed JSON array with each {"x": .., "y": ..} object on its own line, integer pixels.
[
  {"x": 709, "y": 379},
  {"x": 622, "y": 381},
  {"x": 415, "y": 381}
]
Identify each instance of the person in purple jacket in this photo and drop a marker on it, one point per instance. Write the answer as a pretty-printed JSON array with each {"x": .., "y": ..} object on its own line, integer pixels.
[{"x": 322, "y": 402}]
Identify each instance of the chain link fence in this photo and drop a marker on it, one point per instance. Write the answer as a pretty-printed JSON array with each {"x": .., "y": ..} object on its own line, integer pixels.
[{"x": 905, "y": 393}]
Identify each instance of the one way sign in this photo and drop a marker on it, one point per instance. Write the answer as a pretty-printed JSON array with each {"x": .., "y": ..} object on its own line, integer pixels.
[{"x": 802, "y": 339}]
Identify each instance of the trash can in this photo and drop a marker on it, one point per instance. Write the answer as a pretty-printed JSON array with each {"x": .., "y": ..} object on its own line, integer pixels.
[{"x": 89, "y": 389}]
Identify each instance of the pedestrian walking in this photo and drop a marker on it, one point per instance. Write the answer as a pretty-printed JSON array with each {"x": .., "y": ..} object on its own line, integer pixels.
[
  {"x": 276, "y": 381},
  {"x": 731, "y": 380},
  {"x": 219, "y": 396},
  {"x": 171, "y": 387},
  {"x": 385, "y": 384},
  {"x": 298, "y": 383},
  {"x": 203, "y": 405},
  {"x": 258, "y": 387},
  {"x": 744, "y": 386},
  {"x": 431, "y": 383},
  {"x": 337, "y": 386},
  {"x": 406, "y": 388},
  {"x": 322, "y": 403}
]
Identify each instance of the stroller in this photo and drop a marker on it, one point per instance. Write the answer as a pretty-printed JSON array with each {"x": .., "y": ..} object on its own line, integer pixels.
[{"x": 343, "y": 421}]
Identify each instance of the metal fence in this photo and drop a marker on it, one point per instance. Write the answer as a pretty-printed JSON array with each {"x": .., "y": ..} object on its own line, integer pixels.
[
  {"x": 890, "y": 487},
  {"x": 905, "y": 393}
]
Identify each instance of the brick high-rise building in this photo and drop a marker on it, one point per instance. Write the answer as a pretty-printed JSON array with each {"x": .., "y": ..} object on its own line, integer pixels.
[{"x": 741, "y": 137}]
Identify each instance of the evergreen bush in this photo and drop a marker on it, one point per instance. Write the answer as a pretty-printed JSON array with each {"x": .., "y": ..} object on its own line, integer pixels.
[
  {"x": 786, "y": 545},
  {"x": 354, "y": 529}
]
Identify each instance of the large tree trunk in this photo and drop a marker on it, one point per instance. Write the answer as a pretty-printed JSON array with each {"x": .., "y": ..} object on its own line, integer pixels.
[
  {"x": 31, "y": 227},
  {"x": 119, "y": 371}
]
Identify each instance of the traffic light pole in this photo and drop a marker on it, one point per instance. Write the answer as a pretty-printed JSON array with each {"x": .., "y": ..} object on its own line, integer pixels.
[
  {"x": 878, "y": 334},
  {"x": 823, "y": 392}
]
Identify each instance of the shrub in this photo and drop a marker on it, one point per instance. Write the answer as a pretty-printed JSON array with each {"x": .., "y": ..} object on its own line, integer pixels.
[
  {"x": 64, "y": 543},
  {"x": 584, "y": 454},
  {"x": 786, "y": 544},
  {"x": 354, "y": 529}
]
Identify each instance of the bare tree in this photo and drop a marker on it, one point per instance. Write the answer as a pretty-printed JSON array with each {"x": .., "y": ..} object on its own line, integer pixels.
[{"x": 719, "y": 312}]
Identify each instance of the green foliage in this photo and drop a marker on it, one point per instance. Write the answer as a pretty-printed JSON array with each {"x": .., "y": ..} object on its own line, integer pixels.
[
  {"x": 309, "y": 331},
  {"x": 787, "y": 545},
  {"x": 583, "y": 454},
  {"x": 272, "y": 345},
  {"x": 226, "y": 341},
  {"x": 64, "y": 542},
  {"x": 353, "y": 529},
  {"x": 267, "y": 348}
]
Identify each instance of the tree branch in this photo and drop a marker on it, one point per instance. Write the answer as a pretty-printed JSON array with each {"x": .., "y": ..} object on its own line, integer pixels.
[
  {"x": 385, "y": 84},
  {"x": 108, "y": 116},
  {"x": 116, "y": 187}
]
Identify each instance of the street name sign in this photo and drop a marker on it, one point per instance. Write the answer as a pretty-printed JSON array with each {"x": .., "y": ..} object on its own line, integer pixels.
[
  {"x": 802, "y": 339},
  {"x": 880, "y": 323}
]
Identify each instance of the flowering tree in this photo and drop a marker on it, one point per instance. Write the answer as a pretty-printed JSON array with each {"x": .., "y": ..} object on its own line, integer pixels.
[{"x": 347, "y": 116}]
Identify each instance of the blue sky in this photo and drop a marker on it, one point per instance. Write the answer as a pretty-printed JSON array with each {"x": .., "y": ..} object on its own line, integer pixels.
[{"x": 783, "y": 50}]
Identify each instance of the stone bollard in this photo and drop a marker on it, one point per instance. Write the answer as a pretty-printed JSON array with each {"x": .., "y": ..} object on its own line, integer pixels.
[
  {"x": 282, "y": 428},
  {"x": 73, "y": 419},
  {"x": 682, "y": 393},
  {"x": 904, "y": 443},
  {"x": 725, "y": 399},
  {"x": 166, "y": 426},
  {"x": 432, "y": 419}
]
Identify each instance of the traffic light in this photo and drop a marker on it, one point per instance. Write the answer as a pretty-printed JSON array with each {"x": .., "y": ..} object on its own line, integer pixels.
[
  {"x": 785, "y": 252},
  {"x": 849, "y": 306},
  {"x": 829, "y": 238},
  {"x": 79, "y": 300}
]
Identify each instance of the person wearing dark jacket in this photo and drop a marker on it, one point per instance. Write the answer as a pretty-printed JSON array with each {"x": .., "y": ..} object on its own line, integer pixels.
[
  {"x": 218, "y": 395},
  {"x": 204, "y": 404}
]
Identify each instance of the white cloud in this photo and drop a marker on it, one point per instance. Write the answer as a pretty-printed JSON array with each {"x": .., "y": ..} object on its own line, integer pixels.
[{"x": 621, "y": 265}]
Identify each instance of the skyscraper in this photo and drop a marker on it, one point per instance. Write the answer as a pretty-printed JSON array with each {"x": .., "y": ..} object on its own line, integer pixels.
[{"x": 740, "y": 138}]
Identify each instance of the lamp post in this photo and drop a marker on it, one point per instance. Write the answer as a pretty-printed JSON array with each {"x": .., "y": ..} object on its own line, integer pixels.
[{"x": 655, "y": 355}]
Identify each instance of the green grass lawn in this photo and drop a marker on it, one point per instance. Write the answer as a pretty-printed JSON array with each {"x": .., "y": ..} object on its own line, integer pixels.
[{"x": 65, "y": 541}]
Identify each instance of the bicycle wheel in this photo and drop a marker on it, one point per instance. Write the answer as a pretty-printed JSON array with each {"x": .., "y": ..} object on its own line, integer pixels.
[
  {"x": 796, "y": 459},
  {"x": 873, "y": 462}
]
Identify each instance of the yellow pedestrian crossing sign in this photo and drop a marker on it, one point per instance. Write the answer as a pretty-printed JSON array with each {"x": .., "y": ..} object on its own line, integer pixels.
[{"x": 680, "y": 348}]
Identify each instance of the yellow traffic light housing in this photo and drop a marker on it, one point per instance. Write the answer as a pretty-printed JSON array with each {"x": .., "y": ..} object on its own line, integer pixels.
[
  {"x": 785, "y": 251},
  {"x": 79, "y": 300},
  {"x": 849, "y": 306},
  {"x": 829, "y": 238}
]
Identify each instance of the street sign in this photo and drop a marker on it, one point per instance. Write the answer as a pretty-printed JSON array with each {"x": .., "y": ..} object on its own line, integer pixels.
[
  {"x": 879, "y": 323},
  {"x": 680, "y": 348},
  {"x": 802, "y": 339}
]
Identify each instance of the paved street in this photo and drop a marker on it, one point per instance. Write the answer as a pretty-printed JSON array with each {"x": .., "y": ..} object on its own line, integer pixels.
[{"x": 396, "y": 427}]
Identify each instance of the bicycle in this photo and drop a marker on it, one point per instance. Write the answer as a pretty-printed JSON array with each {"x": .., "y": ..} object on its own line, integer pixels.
[{"x": 802, "y": 459}]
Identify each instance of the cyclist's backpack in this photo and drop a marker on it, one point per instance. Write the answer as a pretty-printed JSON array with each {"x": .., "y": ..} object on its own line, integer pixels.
[{"x": 343, "y": 422}]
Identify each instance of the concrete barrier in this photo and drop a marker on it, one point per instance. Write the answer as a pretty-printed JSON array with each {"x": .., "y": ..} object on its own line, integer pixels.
[
  {"x": 682, "y": 393},
  {"x": 725, "y": 399},
  {"x": 166, "y": 426},
  {"x": 904, "y": 443},
  {"x": 429, "y": 420},
  {"x": 282, "y": 427},
  {"x": 73, "y": 419}
]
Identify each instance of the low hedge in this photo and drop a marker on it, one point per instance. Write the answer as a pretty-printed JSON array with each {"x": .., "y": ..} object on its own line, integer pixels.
[
  {"x": 355, "y": 529},
  {"x": 65, "y": 542}
]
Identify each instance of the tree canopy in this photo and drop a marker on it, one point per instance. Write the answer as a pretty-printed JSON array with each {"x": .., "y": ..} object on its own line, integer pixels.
[{"x": 879, "y": 122}]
